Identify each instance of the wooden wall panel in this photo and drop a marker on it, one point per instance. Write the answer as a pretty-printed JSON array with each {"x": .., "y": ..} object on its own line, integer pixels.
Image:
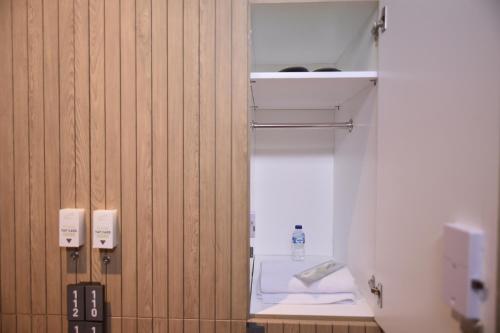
[
  {"x": 239, "y": 162},
  {"x": 97, "y": 122},
  {"x": 68, "y": 64},
  {"x": 113, "y": 153},
  {"x": 175, "y": 149},
  {"x": 7, "y": 201},
  {"x": 223, "y": 159},
  {"x": 37, "y": 158},
  {"x": 191, "y": 160},
  {"x": 160, "y": 162},
  {"x": 144, "y": 185},
  {"x": 138, "y": 106},
  {"x": 52, "y": 163},
  {"x": 316, "y": 326},
  {"x": 207, "y": 159},
  {"x": 21, "y": 144},
  {"x": 128, "y": 158},
  {"x": 82, "y": 133}
]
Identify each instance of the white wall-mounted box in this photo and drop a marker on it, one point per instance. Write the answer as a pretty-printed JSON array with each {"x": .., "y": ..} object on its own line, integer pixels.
[
  {"x": 71, "y": 227},
  {"x": 104, "y": 229},
  {"x": 463, "y": 256}
]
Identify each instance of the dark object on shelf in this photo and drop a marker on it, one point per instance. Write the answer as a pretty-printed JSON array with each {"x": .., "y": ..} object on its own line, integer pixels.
[
  {"x": 327, "y": 69},
  {"x": 294, "y": 69}
]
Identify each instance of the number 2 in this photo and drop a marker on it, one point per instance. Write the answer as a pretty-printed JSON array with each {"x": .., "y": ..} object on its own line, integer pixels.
[{"x": 75, "y": 313}]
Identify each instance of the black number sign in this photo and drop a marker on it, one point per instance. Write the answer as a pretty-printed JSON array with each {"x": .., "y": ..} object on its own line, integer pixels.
[
  {"x": 94, "y": 327},
  {"x": 77, "y": 327},
  {"x": 94, "y": 302},
  {"x": 76, "y": 301}
]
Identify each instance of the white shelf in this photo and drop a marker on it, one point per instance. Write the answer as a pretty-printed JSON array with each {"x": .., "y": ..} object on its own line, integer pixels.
[
  {"x": 359, "y": 310},
  {"x": 307, "y": 90}
]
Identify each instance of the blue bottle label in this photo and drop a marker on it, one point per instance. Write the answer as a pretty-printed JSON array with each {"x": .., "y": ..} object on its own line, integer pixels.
[{"x": 298, "y": 240}]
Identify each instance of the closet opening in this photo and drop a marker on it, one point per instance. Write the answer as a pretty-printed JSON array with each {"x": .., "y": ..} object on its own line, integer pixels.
[{"x": 312, "y": 138}]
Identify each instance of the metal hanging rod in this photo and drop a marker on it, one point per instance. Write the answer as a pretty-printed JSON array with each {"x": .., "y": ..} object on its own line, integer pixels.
[
  {"x": 327, "y": 108},
  {"x": 349, "y": 125}
]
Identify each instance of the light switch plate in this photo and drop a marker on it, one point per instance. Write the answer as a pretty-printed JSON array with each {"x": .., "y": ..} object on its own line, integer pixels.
[
  {"x": 104, "y": 229},
  {"x": 71, "y": 227}
]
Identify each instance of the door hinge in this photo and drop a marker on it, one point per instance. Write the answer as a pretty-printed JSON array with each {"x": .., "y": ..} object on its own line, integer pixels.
[
  {"x": 376, "y": 289},
  {"x": 380, "y": 25}
]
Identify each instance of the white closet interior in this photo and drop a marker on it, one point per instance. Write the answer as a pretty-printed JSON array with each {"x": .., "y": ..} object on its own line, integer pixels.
[{"x": 320, "y": 177}]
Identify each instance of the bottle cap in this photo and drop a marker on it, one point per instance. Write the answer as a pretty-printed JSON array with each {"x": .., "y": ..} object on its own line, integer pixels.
[{"x": 298, "y": 226}]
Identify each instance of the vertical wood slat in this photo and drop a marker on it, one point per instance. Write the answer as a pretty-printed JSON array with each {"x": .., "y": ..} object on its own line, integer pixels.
[
  {"x": 112, "y": 148},
  {"x": 291, "y": 327},
  {"x": 129, "y": 325},
  {"x": 324, "y": 328},
  {"x": 160, "y": 161},
  {"x": 207, "y": 159},
  {"x": 7, "y": 200},
  {"x": 82, "y": 133},
  {"x": 21, "y": 156},
  {"x": 39, "y": 324},
  {"x": 52, "y": 164},
  {"x": 175, "y": 161},
  {"x": 175, "y": 325},
  {"x": 9, "y": 324},
  {"x": 97, "y": 122},
  {"x": 355, "y": 327},
  {"x": 223, "y": 326},
  {"x": 67, "y": 125},
  {"x": 240, "y": 189},
  {"x": 238, "y": 326},
  {"x": 207, "y": 326},
  {"x": 23, "y": 323},
  {"x": 192, "y": 325},
  {"x": 274, "y": 327},
  {"x": 341, "y": 327},
  {"x": 307, "y": 328},
  {"x": 37, "y": 166},
  {"x": 54, "y": 324},
  {"x": 144, "y": 325},
  {"x": 372, "y": 328},
  {"x": 223, "y": 159},
  {"x": 160, "y": 325},
  {"x": 191, "y": 160},
  {"x": 128, "y": 156},
  {"x": 144, "y": 186}
]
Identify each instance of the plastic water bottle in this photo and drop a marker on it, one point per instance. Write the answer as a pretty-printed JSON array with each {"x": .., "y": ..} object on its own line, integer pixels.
[{"x": 298, "y": 244}]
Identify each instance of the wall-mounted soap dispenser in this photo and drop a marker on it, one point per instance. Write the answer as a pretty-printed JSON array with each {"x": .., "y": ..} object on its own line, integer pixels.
[
  {"x": 104, "y": 229},
  {"x": 71, "y": 227}
]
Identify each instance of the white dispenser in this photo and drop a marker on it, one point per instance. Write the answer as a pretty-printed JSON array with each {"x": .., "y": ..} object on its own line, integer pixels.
[
  {"x": 104, "y": 229},
  {"x": 71, "y": 227},
  {"x": 463, "y": 256}
]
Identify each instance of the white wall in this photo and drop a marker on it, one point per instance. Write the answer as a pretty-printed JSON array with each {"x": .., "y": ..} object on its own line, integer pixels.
[
  {"x": 292, "y": 183},
  {"x": 355, "y": 187}
]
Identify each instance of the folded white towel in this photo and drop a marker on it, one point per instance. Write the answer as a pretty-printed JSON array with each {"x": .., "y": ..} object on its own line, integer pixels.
[
  {"x": 278, "y": 277},
  {"x": 308, "y": 299}
]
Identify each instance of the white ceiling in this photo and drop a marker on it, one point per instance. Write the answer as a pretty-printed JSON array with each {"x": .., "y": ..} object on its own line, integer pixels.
[{"x": 306, "y": 33}]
